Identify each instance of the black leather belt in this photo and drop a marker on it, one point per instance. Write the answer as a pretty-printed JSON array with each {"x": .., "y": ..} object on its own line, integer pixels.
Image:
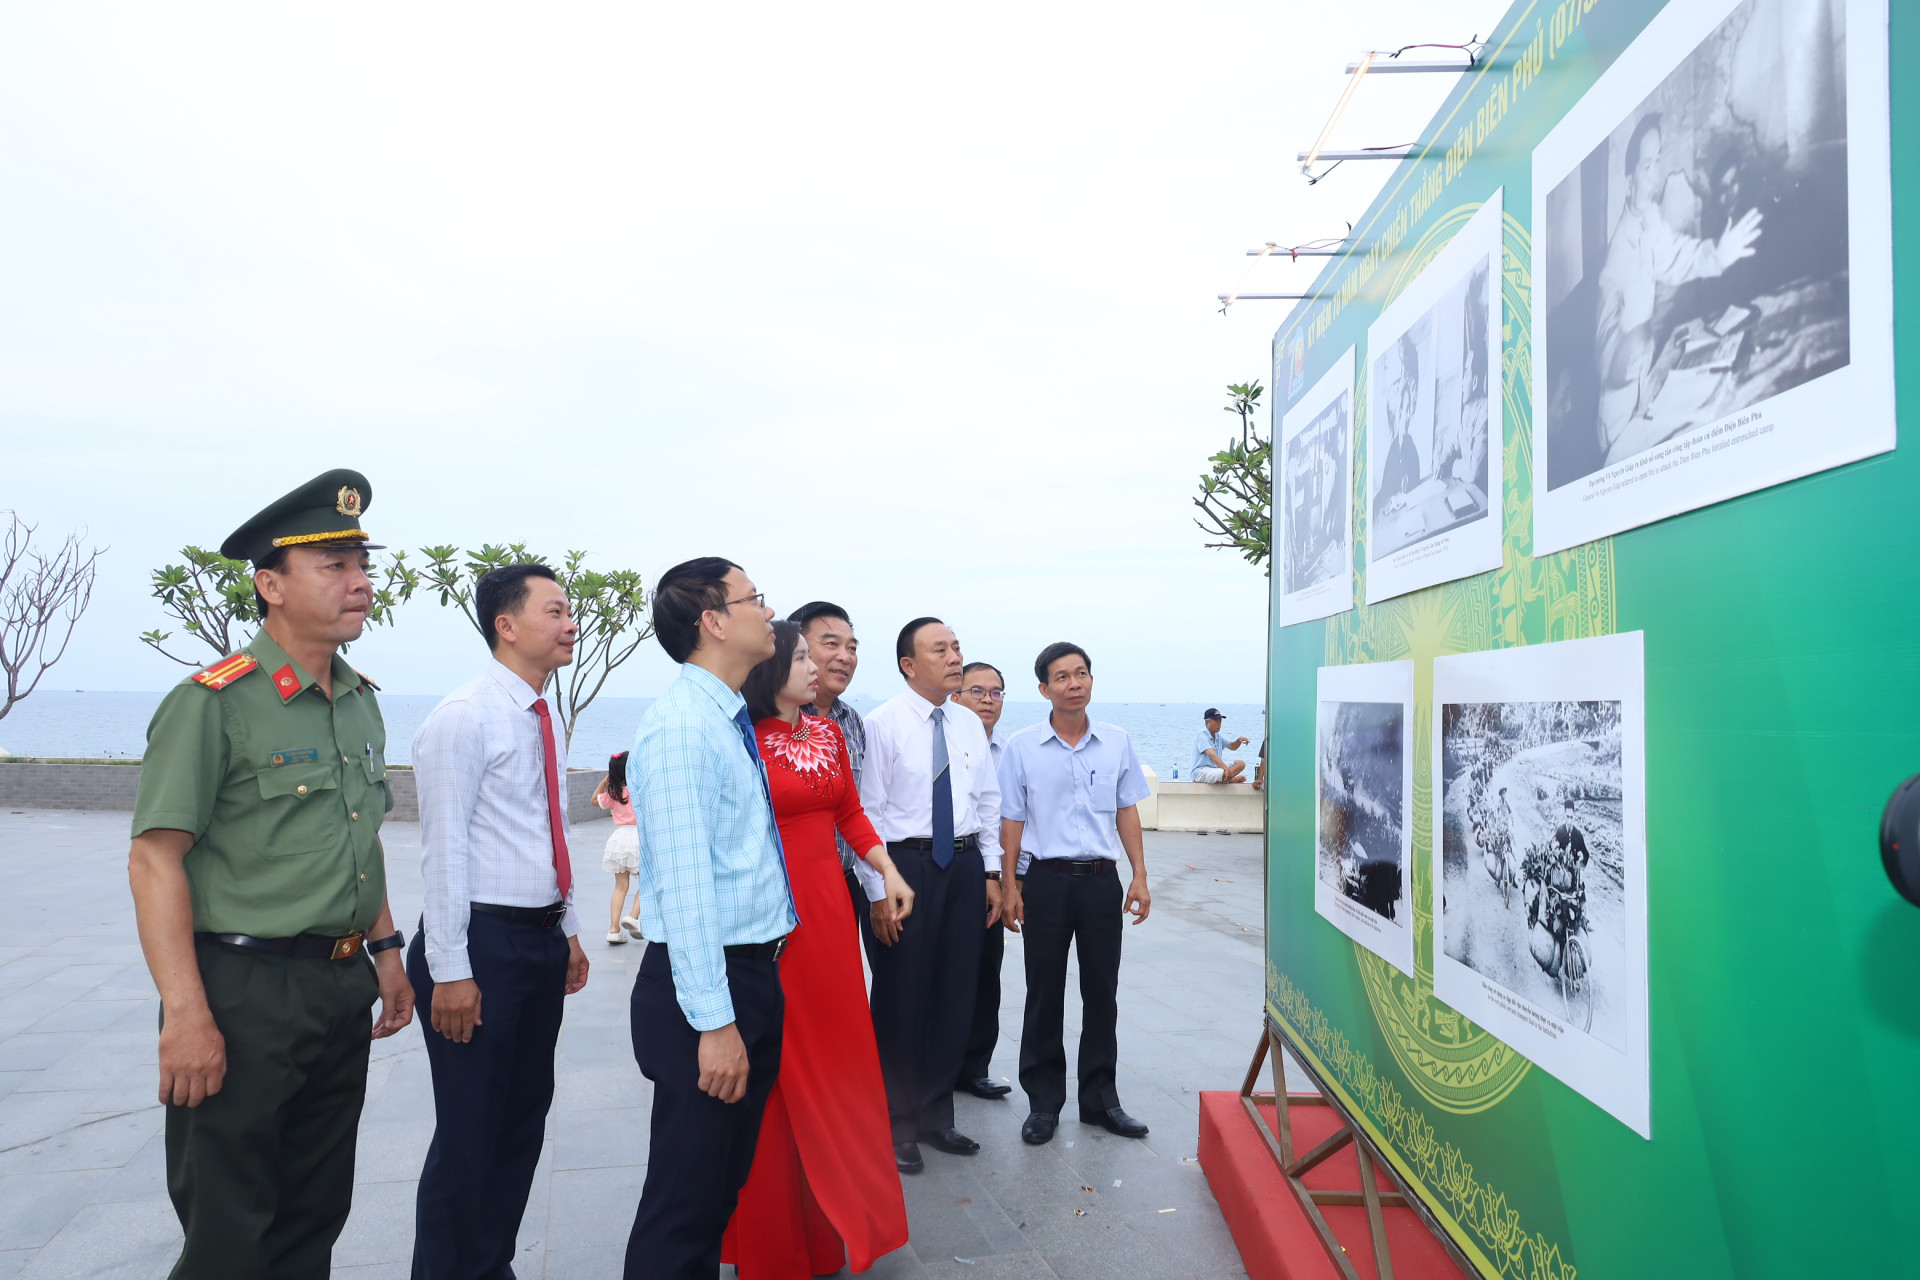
[
  {"x": 1073, "y": 866},
  {"x": 305, "y": 946},
  {"x": 539, "y": 917},
  {"x": 758, "y": 950},
  {"x": 965, "y": 844}
]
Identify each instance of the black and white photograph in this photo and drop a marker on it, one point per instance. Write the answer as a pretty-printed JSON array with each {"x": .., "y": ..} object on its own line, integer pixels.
[
  {"x": 1315, "y": 497},
  {"x": 1540, "y": 882},
  {"x": 1363, "y": 789},
  {"x": 1434, "y": 419},
  {"x": 1712, "y": 263}
]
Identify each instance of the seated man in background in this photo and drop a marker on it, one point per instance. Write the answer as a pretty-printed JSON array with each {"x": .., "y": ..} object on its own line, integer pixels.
[{"x": 1210, "y": 763}]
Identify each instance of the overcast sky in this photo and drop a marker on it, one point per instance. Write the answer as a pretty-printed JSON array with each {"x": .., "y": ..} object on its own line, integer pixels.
[{"x": 905, "y": 308}]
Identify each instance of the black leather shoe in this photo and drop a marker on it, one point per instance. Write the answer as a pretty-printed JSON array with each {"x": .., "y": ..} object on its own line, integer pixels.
[
  {"x": 1038, "y": 1130},
  {"x": 1115, "y": 1121},
  {"x": 951, "y": 1141},
  {"x": 906, "y": 1157},
  {"x": 985, "y": 1087}
]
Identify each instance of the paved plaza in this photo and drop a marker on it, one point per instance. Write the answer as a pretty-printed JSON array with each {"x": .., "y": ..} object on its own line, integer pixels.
[{"x": 82, "y": 1191}]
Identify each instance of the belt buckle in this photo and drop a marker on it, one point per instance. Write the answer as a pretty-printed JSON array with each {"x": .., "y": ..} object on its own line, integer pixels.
[
  {"x": 348, "y": 947},
  {"x": 780, "y": 945}
]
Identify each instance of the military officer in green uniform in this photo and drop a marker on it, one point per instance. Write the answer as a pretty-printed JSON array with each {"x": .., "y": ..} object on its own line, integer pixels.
[{"x": 260, "y": 889}]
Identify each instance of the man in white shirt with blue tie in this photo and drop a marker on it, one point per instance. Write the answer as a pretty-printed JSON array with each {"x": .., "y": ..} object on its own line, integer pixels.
[
  {"x": 930, "y": 790},
  {"x": 497, "y": 952}
]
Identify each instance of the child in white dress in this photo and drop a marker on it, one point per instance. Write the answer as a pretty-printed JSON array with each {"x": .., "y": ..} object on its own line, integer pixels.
[{"x": 622, "y": 856}]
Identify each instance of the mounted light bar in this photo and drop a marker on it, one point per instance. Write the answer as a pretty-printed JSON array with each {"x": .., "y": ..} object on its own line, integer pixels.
[
  {"x": 1394, "y": 67},
  {"x": 1400, "y": 152},
  {"x": 1354, "y": 75}
]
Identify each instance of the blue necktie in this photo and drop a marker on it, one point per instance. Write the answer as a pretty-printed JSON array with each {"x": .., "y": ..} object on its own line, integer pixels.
[
  {"x": 745, "y": 722},
  {"x": 942, "y": 793}
]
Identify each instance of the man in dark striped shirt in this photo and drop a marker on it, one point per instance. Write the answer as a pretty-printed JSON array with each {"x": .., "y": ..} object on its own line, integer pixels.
[{"x": 836, "y": 651}]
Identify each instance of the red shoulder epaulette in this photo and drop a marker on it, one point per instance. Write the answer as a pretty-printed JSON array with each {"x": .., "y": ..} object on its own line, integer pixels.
[
  {"x": 366, "y": 679},
  {"x": 226, "y": 671}
]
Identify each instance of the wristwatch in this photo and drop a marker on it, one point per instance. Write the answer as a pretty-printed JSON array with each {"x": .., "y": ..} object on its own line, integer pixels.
[
  {"x": 994, "y": 876},
  {"x": 388, "y": 943}
]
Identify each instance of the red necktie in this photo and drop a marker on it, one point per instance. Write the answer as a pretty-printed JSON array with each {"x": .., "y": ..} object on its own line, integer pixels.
[{"x": 562, "y": 865}]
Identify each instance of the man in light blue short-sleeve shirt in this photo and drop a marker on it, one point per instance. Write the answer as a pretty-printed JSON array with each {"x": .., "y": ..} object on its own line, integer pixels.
[
  {"x": 1069, "y": 789},
  {"x": 1210, "y": 763}
]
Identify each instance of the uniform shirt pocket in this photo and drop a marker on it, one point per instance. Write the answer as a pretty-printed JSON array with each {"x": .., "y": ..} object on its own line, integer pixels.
[{"x": 294, "y": 819}]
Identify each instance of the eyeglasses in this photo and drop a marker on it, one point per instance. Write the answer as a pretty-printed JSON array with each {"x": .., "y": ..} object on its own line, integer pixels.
[
  {"x": 758, "y": 599},
  {"x": 975, "y": 691}
]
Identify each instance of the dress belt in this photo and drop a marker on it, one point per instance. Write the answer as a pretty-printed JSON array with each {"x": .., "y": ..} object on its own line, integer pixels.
[
  {"x": 745, "y": 950},
  {"x": 924, "y": 844},
  {"x": 1073, "y": 866},
  {"x": 539, "y": 917},
  {"x": 305, "y": 946}
]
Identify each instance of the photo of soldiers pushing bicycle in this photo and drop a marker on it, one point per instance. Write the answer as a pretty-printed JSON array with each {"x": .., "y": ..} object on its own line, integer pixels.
[{"x": 1533, "y": 881}]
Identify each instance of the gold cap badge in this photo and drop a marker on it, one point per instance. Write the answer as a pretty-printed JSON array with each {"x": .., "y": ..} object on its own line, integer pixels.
[{"x": 349, "y": 503}]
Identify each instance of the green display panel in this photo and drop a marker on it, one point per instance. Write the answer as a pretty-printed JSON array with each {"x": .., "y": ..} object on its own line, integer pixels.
[{"x": 1778, "y": 623}]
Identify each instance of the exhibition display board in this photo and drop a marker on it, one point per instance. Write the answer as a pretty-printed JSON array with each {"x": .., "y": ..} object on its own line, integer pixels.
[{"x": 1596, "y": 649}]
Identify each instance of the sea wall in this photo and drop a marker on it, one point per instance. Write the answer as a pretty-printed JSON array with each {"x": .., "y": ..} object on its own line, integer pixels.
[
  {"x": 1207, "y": 806},
  {"x": 1172, "y": 806},
  {"x": 100, "y": 785}
]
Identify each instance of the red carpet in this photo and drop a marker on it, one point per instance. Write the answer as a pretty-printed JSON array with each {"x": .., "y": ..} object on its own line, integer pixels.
[{"x": 1271, "y": 1230}]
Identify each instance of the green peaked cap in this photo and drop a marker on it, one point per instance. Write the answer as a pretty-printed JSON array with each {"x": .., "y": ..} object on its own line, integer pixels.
[{"x": 323, "y": 512}]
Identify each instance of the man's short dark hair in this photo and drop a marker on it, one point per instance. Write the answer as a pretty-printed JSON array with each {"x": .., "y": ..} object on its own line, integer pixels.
[
  {"x": 1053, "y": 653},
  {"x": 504, "y": 590},
  {"x": 275, "y": 562},
  {"x": 683, "y": 593},
  {"x": 1648, "y": 123},
  {"x": 806, "y": 613},
  {"x": 903, "y": 647},
  {"x": 972, "y": 667}
]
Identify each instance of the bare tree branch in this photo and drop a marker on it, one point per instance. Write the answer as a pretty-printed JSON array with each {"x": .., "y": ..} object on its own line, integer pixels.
[{"x": 42, "y": 595}]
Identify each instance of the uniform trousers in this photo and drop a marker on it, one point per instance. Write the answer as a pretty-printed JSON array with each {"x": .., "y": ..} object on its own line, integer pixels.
[
  {"x": 490, "y": 1098},
  {"x": 261, "y": 1173},
  {"x": 1078, "y": 904},
  {"x": 985, "y": 1032},
  {"x": 924, "y": 987},
  {"x": 701, "y": 1149}
]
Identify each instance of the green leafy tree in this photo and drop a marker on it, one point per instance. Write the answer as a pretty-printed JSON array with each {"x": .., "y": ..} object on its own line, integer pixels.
[
  {"x": 610, "y": 608},
  {"x": 210, "y": 599},
  {"x": 1236, "y": 492}
]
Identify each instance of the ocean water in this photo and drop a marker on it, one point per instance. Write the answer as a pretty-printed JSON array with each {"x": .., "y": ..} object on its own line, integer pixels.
[{"x": 93, "y": 725}]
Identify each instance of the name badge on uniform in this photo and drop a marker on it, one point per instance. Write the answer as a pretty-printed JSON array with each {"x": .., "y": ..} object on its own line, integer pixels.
[{"x": 303, "y": 755}]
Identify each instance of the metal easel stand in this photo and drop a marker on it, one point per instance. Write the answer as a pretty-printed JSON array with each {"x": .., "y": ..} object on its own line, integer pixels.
[{"x": 1295, "y": 1169}]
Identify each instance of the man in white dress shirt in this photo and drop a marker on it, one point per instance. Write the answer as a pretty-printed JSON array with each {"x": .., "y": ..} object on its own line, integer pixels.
[
  {"x": 497, "y": 951},
  {"x": 930, "y": 789}
]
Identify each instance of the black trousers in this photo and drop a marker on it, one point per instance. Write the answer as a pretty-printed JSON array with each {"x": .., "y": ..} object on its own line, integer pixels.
[
  {"x": 490, "y": 1098},
  {"x": 924, "y": 987},
  {"x": 261, "y": 1173},
  {"x": 985, "y": 1032},
  {"x": 701, "y": 1148},
  {"x": 1084, "y": 910}
]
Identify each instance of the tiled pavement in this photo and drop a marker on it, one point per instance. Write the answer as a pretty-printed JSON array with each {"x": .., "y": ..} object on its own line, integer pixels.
[{"x": 82, "y": 1190}]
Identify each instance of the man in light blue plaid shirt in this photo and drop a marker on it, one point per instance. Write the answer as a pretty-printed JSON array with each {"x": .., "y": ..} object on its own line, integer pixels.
[{"x": 707, "y": 1008}]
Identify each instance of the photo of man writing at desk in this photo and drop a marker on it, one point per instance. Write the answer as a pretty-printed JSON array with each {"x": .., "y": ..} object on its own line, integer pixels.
[
  {"x": 1432, "y": 474},
  {"x": 1697, "y": 257}
]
